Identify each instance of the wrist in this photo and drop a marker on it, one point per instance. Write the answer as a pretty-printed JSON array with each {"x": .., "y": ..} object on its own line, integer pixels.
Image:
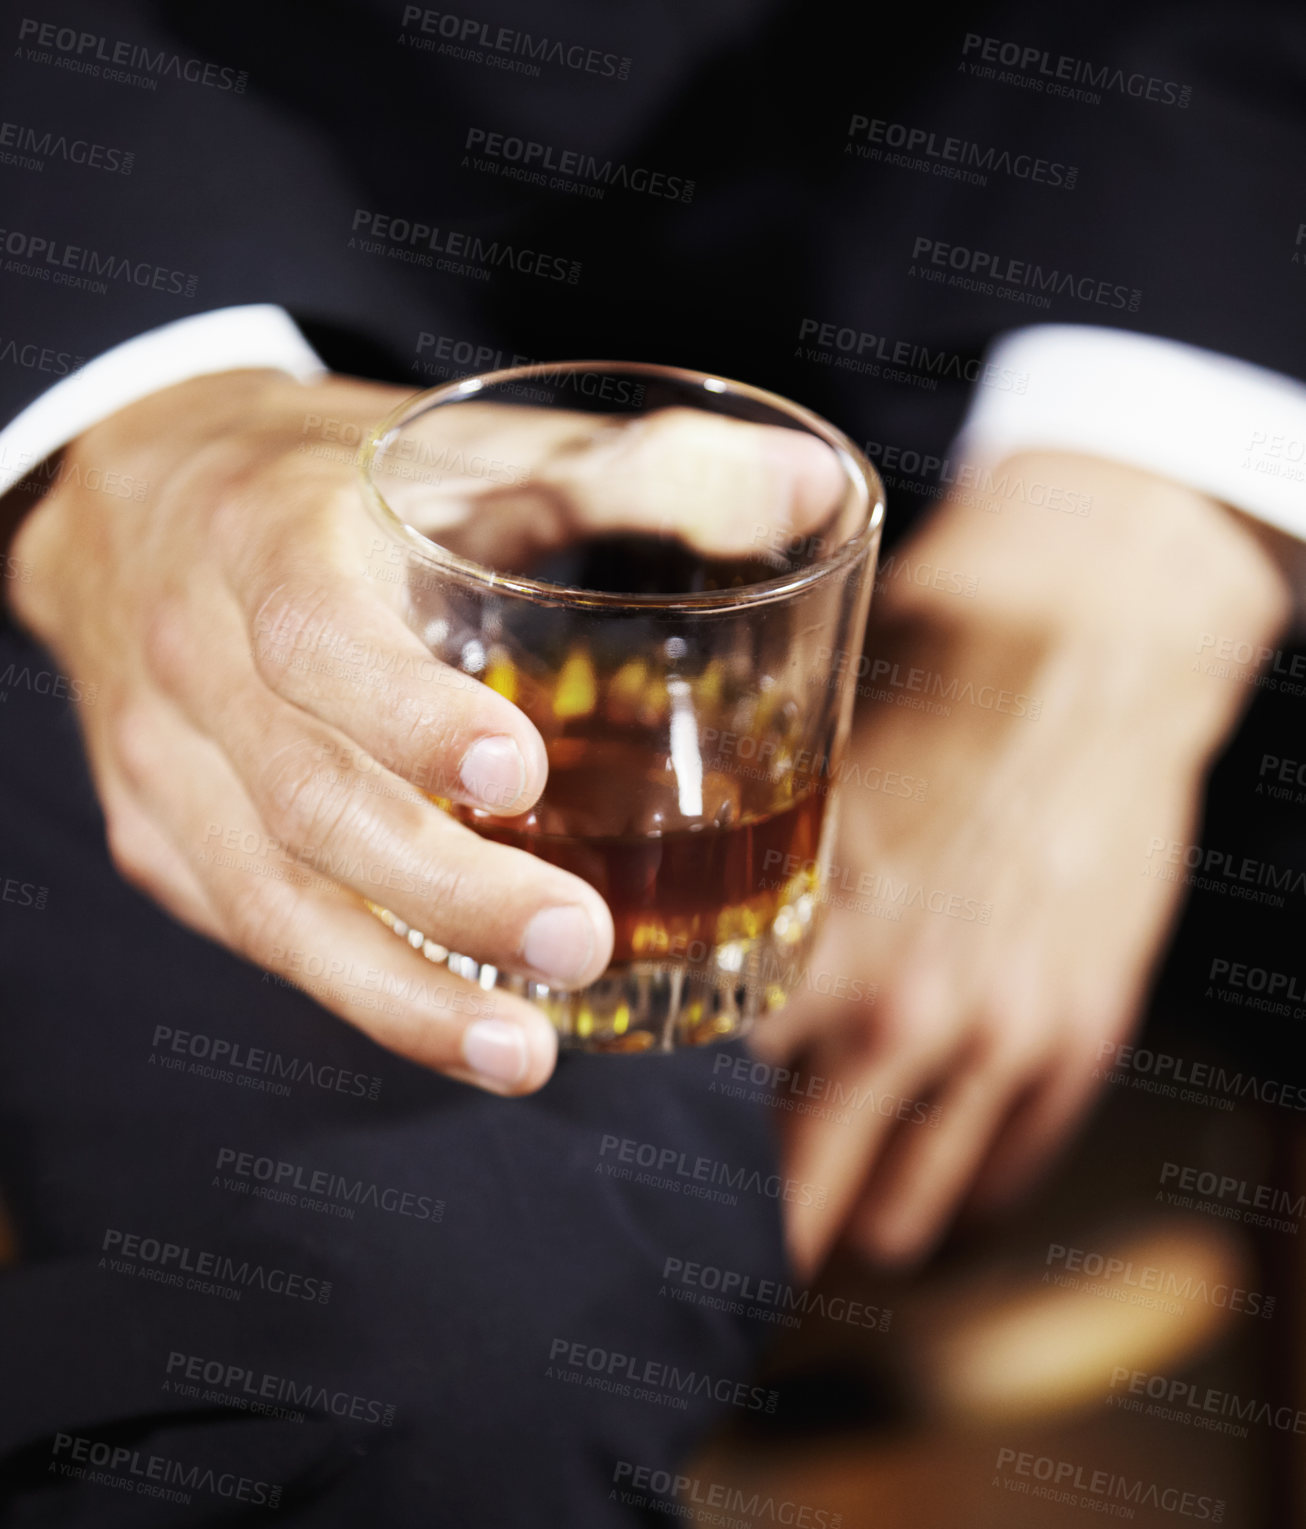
[
  {"x": 119, "y": 463},
  {"x": 1059, "y": 541},
  {"x": 1068, "y": 555}
]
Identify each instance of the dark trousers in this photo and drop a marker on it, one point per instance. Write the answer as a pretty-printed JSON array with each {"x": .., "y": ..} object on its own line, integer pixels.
[{"x": 255, "y": 1251}]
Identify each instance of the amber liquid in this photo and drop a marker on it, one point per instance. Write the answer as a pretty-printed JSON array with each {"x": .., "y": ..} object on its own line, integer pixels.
[
  {"x": 676, "y": 891},
  {"x": 707, "y": 856}
]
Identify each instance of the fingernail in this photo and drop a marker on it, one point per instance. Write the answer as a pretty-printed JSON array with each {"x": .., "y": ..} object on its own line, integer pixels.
[
  {"x": 494, "y": 771},
  {"x": 559, "y": 943},
  {"x": 496, "y": 1050}
]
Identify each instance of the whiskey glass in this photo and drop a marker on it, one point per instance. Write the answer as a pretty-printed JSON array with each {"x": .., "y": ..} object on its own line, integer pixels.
[{"x": 677, "y": 604}]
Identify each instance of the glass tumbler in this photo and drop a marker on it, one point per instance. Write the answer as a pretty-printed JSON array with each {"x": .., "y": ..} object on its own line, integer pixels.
[{"x": 669, "y": 573}]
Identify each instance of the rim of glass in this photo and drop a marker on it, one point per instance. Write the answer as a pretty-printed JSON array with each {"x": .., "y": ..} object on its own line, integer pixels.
[{"x": 867, "y": 488}]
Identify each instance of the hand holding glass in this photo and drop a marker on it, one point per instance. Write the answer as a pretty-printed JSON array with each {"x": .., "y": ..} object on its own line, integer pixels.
[{"x": 669, "y": 574}]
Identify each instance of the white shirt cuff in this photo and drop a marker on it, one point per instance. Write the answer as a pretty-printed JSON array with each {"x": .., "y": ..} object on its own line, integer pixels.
[
  {"x": 227, "y": 339},
  {"x": 1229, "y": 429}
]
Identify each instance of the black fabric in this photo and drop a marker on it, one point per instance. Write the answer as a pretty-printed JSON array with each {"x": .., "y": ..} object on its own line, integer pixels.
[
  {"x": 254, "y": 193},
  {"x": 451, "y": 1321}
]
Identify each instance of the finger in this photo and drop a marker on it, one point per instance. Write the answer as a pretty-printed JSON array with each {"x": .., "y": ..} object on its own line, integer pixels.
[
  {"x": 378, "y": 835},
  {"x": 319, "y": 937},
  {"x": 806, "y": 1017},
  {"x": 1024, "y": 1149},
  {"x": 323, "y": 641},
  {"x": 922, "y": 1176},
  {"x": 836, "y": 1148},
  {"x": 505, "y": 483},
  {"x": 1101, "y": 1010},
  {"x": 1002, "y": 1041},
  {"x": 146, "y": 858},
  {"x": 727, "y": 486}
]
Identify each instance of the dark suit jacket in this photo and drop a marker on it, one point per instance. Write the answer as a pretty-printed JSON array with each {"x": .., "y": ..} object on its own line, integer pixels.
[{"x": 843, "y": 209}]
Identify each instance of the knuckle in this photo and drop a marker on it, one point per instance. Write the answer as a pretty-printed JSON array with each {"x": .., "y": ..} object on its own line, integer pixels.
[
  {"x": 302, "y": 804},
  {"x": 444, "y": 886},
  {"x": 125, "y": 852},
  {"x": 288, "y": 621},
  {"x": 1005, "y": 1041},
  {"x": 259, "y": 920},
  {"x": 131, "y": 740},
  {"x": 416, "y": 724},
  {"x": 242, "y": 487},
  {"x": 675, "y": 419},
  {"x": 903, "y": 1027},
  {"x": 229, "y": 518},
  {"x": 166, "y": 643}
]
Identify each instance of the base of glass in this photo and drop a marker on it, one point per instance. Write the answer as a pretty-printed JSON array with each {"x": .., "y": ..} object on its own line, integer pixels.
[
  {"x": 640, "y": 1006},
  {"x": 650, "y": 1005}
]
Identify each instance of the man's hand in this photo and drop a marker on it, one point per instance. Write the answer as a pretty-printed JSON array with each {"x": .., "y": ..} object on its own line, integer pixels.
[
  {"x": 264, "y": 717},
  {"x": 1015, "y": 914}
]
